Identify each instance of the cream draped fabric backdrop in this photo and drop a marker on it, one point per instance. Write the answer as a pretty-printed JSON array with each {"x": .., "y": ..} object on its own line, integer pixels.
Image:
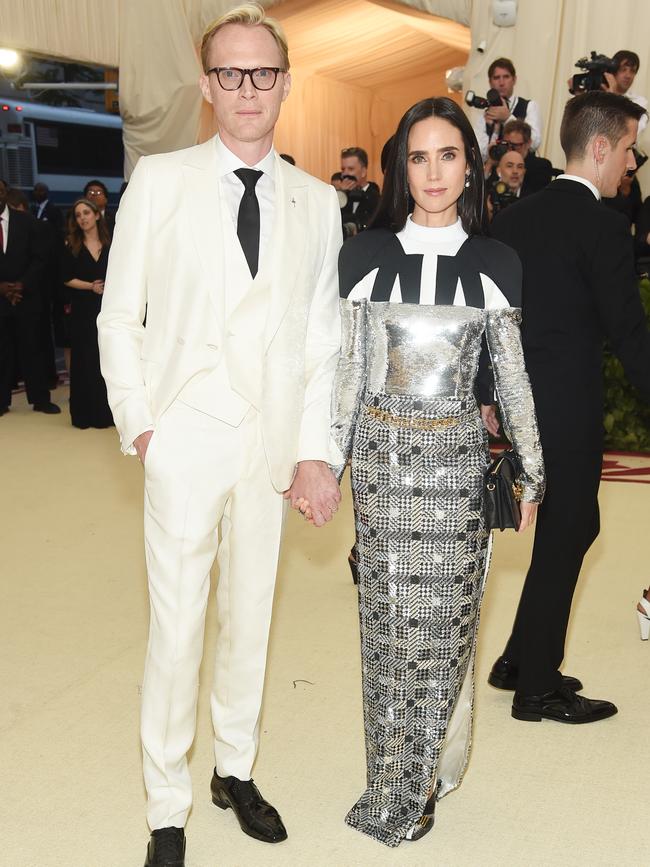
[
  {"x": 356, "y": 64},
  {"x": 544, "y": 45},
  {"x": 351, "y": 92}
]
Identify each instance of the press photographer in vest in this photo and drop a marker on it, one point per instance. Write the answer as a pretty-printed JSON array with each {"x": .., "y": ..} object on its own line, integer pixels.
[{"x": 488, "y": 124}]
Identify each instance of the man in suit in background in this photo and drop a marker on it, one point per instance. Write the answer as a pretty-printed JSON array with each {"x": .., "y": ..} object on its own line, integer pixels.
[
  {"x": 579, "y": 289},
  {"x": 96, "y": 192},
  {"x": 225, "y": 397},
  {"x": 539, "y": 171},
  {"x": 45, "y": 210},
  {"x": 50, "y": 219},
  {"x": 361, "y": 194},
  {"x": 23, "y": 253}
]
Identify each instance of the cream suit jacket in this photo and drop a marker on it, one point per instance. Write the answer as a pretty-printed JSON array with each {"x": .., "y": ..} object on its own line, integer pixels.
[{"x": 166, "y": 260}]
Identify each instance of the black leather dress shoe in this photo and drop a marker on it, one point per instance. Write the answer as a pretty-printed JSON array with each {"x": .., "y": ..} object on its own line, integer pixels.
[
  {"x": 166, "y": 848},
  {"x": 48, "y": 408},
  {"x": 561, "y": 705},
  {"x": 256, "y": 817},
  {"x": 504, "y": 676},
  {"x": 4, "y": 410}
]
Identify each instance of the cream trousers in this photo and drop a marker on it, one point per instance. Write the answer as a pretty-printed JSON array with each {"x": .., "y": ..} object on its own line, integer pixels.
[{"x": 207, "y": 494}]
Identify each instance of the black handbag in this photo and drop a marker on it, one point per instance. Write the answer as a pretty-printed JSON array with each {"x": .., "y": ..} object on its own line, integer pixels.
[{"x": 503, "y": 490}]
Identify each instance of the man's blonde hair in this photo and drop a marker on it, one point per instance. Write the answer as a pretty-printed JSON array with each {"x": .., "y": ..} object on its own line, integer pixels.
[{"x": 250, "y": 14}]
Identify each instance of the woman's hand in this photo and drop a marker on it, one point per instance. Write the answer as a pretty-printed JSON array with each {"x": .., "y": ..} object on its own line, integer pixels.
[
  {"x": 97, "y": 287},
  {"x": 528, "y": 515}
]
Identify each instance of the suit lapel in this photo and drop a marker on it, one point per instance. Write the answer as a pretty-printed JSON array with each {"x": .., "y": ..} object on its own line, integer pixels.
[
  {"x": 202, "y": 210},
  {"x": 288, "y": 244}
]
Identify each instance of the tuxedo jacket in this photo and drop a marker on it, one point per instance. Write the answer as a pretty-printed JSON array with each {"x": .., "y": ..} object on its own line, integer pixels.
[
  {"x": 24, "y": 261},
  {"x": 366, "y": 209},
  {"x": 579, "y": 289},
  {"x": 167, "y": 259}
]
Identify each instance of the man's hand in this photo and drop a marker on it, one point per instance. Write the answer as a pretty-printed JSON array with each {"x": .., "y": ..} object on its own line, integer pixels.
[
  {"x": 141, "y": 444},
  {"x": 315, "y": 485},
  {"x": 13, "y": 292},
  {"x": 528, "y": 515},
  {"x": 489, "y": 418},
  {"x": 497, "y": 114}
]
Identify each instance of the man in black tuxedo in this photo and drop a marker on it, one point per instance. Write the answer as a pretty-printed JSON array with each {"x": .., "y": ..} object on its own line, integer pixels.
[
  {"x": 539, "y": 171},
  {"x": 22, "y": 259},
  {"x": 579, "y": 289},
  {"x": 45, "y": 210},
  {"x": 362, "y": 195}
]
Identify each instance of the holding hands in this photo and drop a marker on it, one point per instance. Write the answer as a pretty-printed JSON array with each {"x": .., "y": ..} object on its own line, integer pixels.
[{"x": 314, "y": 492}]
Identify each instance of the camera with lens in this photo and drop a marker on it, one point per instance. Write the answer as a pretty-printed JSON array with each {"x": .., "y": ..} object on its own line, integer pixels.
[
  {"x": 594, "y": 78},
  {"x": 356, "y": 194},
  {"x": 501, "y": 196},
  {"x": 499, "y": 148},
  {"x": 492, "y": 98}
]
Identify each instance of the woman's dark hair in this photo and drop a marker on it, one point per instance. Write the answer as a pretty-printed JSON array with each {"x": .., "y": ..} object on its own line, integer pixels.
[
  {"x": 396, "y": 202},
  {"x": 75, "y": 236}
]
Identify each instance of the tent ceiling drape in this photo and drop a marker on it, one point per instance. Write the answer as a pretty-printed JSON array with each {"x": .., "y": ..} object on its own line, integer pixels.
[
  {"x": 342, "y": 54},
  {"x": 342, "y": 78}
]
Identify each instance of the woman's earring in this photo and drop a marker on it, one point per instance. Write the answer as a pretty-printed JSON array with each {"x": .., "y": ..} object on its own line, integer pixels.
[{"x": 467, "y": 180}]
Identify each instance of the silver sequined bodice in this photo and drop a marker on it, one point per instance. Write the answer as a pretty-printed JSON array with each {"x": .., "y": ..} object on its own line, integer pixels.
[
  {"x": 433, "y": 351},
  {"x": 422, "y": 349}
]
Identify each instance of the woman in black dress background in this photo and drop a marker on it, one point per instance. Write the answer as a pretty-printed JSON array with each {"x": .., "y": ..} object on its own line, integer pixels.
[{"x": 84, "y": 270}]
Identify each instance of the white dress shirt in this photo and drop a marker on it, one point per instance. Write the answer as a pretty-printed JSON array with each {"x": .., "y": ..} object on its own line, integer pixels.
[
  {"x": 4, "y": 219},
  {"x": 232, "y": 189},
  {"x": 533, "y": 119},
  {"x": 41, "y": 208},
  {"x": 580, "y": 180}
]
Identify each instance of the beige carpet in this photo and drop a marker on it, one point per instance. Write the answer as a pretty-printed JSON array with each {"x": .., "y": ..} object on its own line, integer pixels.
[{"x": 74, "y": 621}]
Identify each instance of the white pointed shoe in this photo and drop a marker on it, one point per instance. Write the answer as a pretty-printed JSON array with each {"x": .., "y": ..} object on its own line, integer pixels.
[{"x": 643, "y": 613}]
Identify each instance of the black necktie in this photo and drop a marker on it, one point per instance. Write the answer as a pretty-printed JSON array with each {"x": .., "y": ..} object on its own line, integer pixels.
[{"x": 248, "y": 218}]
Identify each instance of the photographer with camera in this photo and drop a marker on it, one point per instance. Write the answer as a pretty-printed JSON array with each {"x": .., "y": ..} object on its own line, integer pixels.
[
  {"x": 358, "y": 196},
  {"x": 539, "y": 171},
  {"x": 615, "y": 74},
  {"x": 501, "y": 106},
  {"x": 504, "y": 188}
]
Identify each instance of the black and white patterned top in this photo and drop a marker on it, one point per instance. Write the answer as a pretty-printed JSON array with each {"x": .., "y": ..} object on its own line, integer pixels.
[{"x": 422, "y": 265}]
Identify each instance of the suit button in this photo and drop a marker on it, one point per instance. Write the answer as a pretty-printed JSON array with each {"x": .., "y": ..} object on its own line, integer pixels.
[
  {"x": 181, "y": 340},
  {"x": 212, "y": 346}
]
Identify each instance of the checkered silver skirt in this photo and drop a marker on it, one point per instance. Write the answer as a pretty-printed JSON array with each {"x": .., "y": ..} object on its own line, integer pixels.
[{"x": 417, "y": 472}]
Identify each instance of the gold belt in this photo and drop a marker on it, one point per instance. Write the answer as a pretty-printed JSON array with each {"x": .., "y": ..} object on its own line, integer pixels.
[{"x": 405, "y": 421}]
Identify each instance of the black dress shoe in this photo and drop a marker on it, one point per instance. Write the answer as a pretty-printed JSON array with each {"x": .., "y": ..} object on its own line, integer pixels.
[
  {"x": 48, "y": 408},
  {"x": 4, "y": 410},
  {"x": 504, "y": 676},
  {"x": 166, "y": 848},
  {"x": 561, "y": 705},
  {"x": 256, "y": 817}
]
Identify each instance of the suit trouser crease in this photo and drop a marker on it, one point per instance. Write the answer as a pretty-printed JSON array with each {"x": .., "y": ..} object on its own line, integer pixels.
[
  {"x": 567, "y": 525},
  {"x": 201, "y": 474}
]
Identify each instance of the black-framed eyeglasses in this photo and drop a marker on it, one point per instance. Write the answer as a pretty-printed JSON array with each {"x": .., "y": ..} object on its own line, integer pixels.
[{"x": 232, "y": 78}]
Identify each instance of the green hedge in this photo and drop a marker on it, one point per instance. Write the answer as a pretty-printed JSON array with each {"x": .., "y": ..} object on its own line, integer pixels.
[{"x": 627, "y": 416}]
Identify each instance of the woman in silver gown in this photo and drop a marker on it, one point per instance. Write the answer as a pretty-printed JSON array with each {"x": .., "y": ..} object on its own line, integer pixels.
[{"x": 419, "y": 291}]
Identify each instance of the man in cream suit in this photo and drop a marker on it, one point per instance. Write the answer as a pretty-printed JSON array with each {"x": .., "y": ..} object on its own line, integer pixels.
[{"x": 232, "y": 254}]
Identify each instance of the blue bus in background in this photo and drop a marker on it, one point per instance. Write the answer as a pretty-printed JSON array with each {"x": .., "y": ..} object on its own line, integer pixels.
[{"x": 61, "y": 147}]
